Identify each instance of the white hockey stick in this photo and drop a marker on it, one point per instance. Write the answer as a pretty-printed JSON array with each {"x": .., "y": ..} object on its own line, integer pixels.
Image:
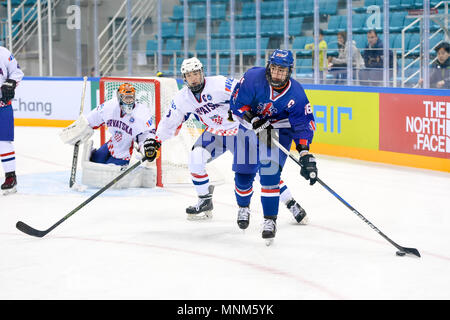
[{"x": 76, "y": 148}]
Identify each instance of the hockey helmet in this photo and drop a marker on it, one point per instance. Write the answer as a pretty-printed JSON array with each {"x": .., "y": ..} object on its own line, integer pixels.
[
  {"x": 280, "y": 58},
  {"x": 126, "y": 94},
  {"x": 191, "y": 65}
]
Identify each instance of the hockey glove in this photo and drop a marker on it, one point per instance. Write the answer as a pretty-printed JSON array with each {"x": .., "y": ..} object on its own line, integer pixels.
[
  {"x": 151, "y": 149},
  {"x": 8, "y": 90},
  {"x": 309, "y": 169},
  {"x": 258, "y": 125}
]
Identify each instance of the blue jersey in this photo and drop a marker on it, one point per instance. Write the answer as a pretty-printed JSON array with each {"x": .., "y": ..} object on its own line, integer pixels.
[{"x": 287, "y": 109}]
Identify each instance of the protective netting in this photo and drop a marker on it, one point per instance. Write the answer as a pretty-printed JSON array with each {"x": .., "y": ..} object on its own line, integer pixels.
[{"x": 175, "y": 151}]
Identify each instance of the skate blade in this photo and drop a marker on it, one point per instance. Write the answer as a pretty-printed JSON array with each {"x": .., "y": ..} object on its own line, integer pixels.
[
  {"x": 9, "y": 191},
  {"x": 269, "y": 242},
  {"x": 198, "y": 217}
]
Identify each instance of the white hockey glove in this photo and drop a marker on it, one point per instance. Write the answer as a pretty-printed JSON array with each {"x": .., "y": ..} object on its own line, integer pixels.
[{"x": 77, "y": 131}]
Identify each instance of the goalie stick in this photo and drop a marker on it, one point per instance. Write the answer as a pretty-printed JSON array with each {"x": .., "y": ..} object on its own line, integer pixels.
[
  {"x": 76, "y": 148},
  {"x": 402, "y": 250},
  {"x": 38, "y": 233}
]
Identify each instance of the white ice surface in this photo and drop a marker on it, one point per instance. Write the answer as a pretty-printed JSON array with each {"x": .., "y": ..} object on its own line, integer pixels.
[{"x": 137, "y": 243}]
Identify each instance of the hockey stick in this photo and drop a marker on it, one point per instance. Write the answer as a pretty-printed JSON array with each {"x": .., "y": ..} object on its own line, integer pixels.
[
  {"x": 76, "y": 147},
  {"x": 402, "y": 250},
  {"x": 38, "y": 233}
]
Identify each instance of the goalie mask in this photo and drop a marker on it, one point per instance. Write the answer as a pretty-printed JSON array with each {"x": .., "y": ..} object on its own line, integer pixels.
[
  {"x": 279, "y": 68},
  {"x": 126, "y": 94},
  {"x": 193, "y": 76}
]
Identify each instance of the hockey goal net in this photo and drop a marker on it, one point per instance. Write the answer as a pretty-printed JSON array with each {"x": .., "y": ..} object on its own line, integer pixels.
[{"x": 157, "y": 94}]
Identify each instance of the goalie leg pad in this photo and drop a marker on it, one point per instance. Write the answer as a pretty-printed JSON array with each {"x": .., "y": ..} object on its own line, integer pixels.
[{"x": 99, "y": 174}]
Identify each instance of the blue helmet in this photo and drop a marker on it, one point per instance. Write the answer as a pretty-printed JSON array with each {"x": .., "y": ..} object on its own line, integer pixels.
[{"x": 282, "y": 58}]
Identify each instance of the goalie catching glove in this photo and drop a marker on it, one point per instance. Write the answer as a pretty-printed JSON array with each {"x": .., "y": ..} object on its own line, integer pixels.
[
  {"x": 80, "y": 130},
  {"x": 151, "y": 149},
  {"x": 258, "y": 124}
]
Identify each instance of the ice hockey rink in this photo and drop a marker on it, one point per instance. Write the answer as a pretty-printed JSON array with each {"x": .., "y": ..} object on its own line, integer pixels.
[{"x": 138, "y": 244}]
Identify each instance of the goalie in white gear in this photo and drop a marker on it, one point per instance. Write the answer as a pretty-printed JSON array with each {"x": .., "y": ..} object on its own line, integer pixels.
[
  {"x": 207, "y": 98},
  {"x": 127, "y": 121}
]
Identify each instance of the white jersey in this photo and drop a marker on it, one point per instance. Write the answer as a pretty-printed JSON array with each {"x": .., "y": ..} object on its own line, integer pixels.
[
  {"x": 9, "y": 68},
  {"x": 124, "y": 128},
  {"x": 211, "y": 107}
]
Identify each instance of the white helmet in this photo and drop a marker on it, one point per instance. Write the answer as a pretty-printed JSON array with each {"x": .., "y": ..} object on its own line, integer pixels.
[{"x": 191, "y": 65}]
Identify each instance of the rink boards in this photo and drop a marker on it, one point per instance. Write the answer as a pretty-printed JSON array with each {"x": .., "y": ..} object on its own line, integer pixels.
[{"x": 409, "y": 127}]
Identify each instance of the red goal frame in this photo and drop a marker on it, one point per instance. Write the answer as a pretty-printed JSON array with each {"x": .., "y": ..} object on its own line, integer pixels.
[{"x": 158, "y": 111}]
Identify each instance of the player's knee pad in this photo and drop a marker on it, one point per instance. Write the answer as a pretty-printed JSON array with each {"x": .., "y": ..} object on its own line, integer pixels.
[
  {"x": 6, "y": 147},
  {"x": 244, "y": 180},
  {"x": 198, "y": 159},
  {"x": 269, "y": 177},
  {"x": 269, "y": 167}
]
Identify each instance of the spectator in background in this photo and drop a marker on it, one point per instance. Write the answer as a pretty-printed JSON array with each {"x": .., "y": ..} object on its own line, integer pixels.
[
  {"x": 338, "y": 66},
  {"x": 322, "y": 54},
  {"x": 440, "y": 75},
  {"x": 373, "y": 56}
]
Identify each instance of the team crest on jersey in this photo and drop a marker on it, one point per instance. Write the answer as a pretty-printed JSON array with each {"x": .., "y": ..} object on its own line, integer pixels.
[
  {"x": 217, "y": 119},
  {"x": 118, "y": 136},
  {"x": 266, "y": 109}
]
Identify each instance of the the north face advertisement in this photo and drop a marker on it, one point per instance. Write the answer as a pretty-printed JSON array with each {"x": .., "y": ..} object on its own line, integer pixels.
[{"x": 415, "y": 124}]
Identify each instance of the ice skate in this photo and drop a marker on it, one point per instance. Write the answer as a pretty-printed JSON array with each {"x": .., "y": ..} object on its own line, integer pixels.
[
  {"x": 9, "y": 186},
  {"x": 243, "y": 218},
  {"x": 203, "y": 209},
  {"x": 269, "y": 230},
  {"x": 297, "y": 211}
]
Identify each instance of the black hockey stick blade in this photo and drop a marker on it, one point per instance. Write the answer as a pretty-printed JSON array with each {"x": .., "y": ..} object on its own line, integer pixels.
[
  {"x": 412, "y": 251},
  {"x": 29, "y": 230}
]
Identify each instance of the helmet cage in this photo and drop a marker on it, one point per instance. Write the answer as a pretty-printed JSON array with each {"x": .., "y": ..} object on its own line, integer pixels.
[
  {"x": 126, "y": 94},
  {"x": 281, "y": 58}
]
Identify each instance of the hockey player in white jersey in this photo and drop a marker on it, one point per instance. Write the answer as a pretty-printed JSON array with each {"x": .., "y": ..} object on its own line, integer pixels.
[
  {"x": 127, "y": 120},
  {"x": 207, "y": 98},
  {"x": 10, "y": 76}
]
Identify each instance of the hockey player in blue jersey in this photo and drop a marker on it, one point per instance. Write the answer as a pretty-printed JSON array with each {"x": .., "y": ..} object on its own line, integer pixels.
[{"x": 269, "y": 103}]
